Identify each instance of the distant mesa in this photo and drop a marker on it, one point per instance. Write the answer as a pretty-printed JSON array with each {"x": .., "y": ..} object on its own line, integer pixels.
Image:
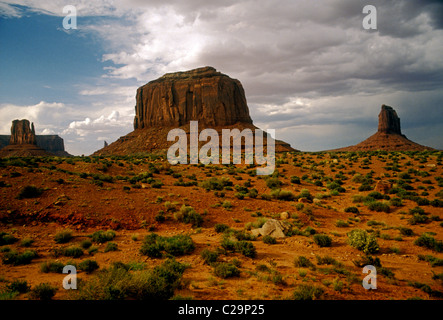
[
  {"x": 23, "y": 142},
  {"x": 388, "y": 137},
  {"x": 205, "y": 95}
]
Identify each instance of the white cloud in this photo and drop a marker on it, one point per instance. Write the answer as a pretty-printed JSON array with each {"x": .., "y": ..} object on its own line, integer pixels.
[
  {"x": 305, "y": 65},
  {"x": 43, "y": 114}
]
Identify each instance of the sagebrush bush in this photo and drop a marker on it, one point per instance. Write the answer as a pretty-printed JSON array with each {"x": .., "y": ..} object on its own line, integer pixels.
[
  {"x": 428, "y": 241},
  {"x": 29, "y": 192},
  {"x": 322, "y": 240},
  {"x": 226, "y": 270},
  {"x": 15, "y": 258},
  {"x": 43, "y": 291},
  {"x": 88, "y": 265},
  {"x": 178, "y": 245},
  {"x": 303, "y": 262},
  {"x": 307, "y": 292},
  {"x": 378, "y": 206},
  {"x": 246, "y": 248},
  {"x": 20, "y": 286},
  {"x": 220, "y": 227},
  {"x": 51, "y": 266},
  {"x": 118, "y": 283},
  {"x": 209, "y": 257},
  {"x": 103, "y": 236},
  {"x": 63, "y": 236},
  {"x": 361, "y": 240},
  {"x": 352, "y": 210},
  {"x": 269, "y": 239},
  {"x": 6, "y": 238},
  {"x": 187, "y": 214}
]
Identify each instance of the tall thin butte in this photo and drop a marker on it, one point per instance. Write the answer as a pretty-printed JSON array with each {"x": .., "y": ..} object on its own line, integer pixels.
[
  {"x": 205, "y": 95},
  {"x": 388, "y": 137},
  {"x": 22, "y": 142}
]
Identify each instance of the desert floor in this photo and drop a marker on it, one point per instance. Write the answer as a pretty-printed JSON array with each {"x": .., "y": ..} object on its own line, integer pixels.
[{"x": 138, "y": 195}]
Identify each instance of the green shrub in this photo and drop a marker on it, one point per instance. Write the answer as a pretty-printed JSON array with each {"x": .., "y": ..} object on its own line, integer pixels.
[
  {"x": 209, "y": 257},
  {"x": 396, "y": 202},
  {"x": 378, "y": 206},
  {"x": 295, "y": 180},
  {"x": 63, "y": 236},
  {"x": 20, "y": 286},
  {"x": 352, "y": 210},
  {"x": 376, "y": 195},
  {"x": 417, "y": 219},
  {"x": 227, "y": 243},
  {"x": 246, "y": 248},
  {"x": 226, "y": 270},
  {"x": 177, "y": 245},
  {"x": 426, "y": 240},
  {"x": 51, "y": 266},
  {"x": 187, "y": 214},
  {"x": 86, "y": 244},
  {"x": 88, "y": 265},
  {"x": 220, "y": 227},
  {"x": 227, "y": 204},
  {"x": 405, "y": 231},
  {"x": 15, "y": 258},
  {"x": 363, "y": 241},
  {"x": 303, "y": 262},
  {"x": 341, "y": 224},
  {"x": 307, "y": 292},
  {"x": 365, "y": 187},
  {"x": 273, "y": 183},
  {"x": 117, "y": 283},
  {"x": 367, "y": 260},
  {"x": 6, "y": 238},
  {"x": 43, "y": 291},
  {"x": 327, "y": 260},
  {"x": 269, "y": 239},
  {"x": 74, "y": 252},
  {"x": 322, "y": 240},
  {"x": 29, "y": 192},
  {"x": 103, "y": 236},
  {"x": 285, "y": 195},
  {"x": 111, "y": 246},
  {"x": 216, "y": 184}
]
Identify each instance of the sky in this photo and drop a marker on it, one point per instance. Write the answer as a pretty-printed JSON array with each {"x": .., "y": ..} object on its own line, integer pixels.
[{"x": 310, "y": 70}]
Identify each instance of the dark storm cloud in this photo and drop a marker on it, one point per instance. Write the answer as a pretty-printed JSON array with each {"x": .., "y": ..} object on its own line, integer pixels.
[{"x": 307, "y": 67}]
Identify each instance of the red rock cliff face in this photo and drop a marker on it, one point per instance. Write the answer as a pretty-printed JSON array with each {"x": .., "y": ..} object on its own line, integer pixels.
[
  {"x": 22, "y": 132},
  {"x": 203, "y": 94},
  {"x": 388, "y": 121}
]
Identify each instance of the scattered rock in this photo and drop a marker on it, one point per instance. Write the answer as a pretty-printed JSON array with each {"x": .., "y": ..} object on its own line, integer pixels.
[
  {"x": 272, "y": 227},
  {"x": 284, "y": 215},
  {"x": 383, "y": 186}
]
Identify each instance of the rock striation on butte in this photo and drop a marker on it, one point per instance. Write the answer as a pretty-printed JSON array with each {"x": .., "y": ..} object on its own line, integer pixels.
[
  {"x": 24, "y": 142},
  {"x": 205, "y": 95},
  {"x": 388, "y": 136}
]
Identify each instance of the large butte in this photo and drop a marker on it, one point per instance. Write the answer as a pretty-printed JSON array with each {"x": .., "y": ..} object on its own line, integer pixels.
[{"x": 205, "y": 95}]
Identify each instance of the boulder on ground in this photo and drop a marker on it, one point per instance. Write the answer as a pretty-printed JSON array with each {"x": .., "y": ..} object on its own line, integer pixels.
[
  {"x": 274, "y": 228},
  {"x": 383, "y": 186}
]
